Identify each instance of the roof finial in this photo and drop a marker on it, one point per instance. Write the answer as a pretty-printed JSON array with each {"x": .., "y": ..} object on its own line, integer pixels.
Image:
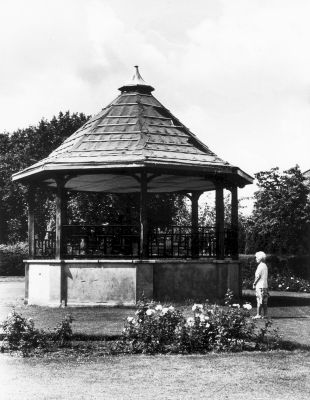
[
  {"x": 137, "y": 83},
  {"x": 137, "y": 76}
]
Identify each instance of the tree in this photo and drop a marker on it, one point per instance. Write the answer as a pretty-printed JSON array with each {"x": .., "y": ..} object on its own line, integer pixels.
[
  {"x": 25, "y": 147},
  {"x": 19, "y": 150},
  {"x": 281, "y": 216}
]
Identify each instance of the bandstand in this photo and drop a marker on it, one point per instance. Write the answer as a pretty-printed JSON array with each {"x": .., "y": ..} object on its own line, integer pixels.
[{"x": 133, "y": 145}]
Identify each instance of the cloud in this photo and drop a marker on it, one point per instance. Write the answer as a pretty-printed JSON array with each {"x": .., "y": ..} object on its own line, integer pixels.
[{"x": 236, "y": 73}]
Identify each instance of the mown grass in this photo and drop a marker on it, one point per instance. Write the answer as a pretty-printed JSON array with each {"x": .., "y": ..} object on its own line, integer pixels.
[
  {"x": 87, "y": 371},
  {"x": 291, "y": 315},
  {"x": 273, "y": 375}
]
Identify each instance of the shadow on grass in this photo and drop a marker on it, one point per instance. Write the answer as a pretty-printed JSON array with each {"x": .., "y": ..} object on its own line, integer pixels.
[
  {"x": 286, "y": 345},
  {"x": 290, "y": 346},
  {"x": 81, "y": 337}
]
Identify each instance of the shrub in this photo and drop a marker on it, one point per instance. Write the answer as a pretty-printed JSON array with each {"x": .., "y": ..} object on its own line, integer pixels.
[
  {"x": 281, "y": 275},
  {"x": 158, "y": 329},
  {"x": 62, "y": 334},
  {"x": 288, "y": 283},
  {"x": 21, "y": 335},
  {"x": 152, "y": 329},
  {"x": 11, "y": 259}
]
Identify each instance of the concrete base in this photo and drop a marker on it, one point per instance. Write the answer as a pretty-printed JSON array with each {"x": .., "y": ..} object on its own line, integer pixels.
[{"x": 124, "y": 282}]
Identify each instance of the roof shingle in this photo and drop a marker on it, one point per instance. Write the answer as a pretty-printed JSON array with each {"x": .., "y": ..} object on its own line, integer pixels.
[{"x": 134, "y": 128}]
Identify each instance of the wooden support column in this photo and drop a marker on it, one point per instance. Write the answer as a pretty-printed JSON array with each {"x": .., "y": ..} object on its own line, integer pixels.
[
  {"x": 31, "y": 207},
  {"x": 234, "y": 223},
  {"x": 143, "y": 217},
  {"x": 195, "y": 228},
  {"x": 219, "y": 206},
  {"x": 61, "y": 213},
  {"x": 60, "y": 218}
]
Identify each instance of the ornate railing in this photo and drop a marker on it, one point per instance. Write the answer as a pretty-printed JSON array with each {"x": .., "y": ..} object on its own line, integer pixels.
[
  {"x": 123, "y": 241},
  {"x": 180, "y": 242},
  {"x": 101, "y": 241},
  {"x": 45, "y": 247}
]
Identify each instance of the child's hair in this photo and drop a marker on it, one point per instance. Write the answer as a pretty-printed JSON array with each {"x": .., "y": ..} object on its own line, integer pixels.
[{"x": 260, "y": 255}]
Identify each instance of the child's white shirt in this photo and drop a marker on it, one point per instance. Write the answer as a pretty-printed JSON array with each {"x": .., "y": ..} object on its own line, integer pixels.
[{"x": 262, "y": 275}]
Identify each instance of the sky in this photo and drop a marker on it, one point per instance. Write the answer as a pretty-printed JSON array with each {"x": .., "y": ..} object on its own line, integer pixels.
[{"x": 235, "y": 72}]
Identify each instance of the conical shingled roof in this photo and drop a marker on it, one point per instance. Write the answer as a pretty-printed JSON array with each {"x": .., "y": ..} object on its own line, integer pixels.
[{"x": 135, "y": 130}]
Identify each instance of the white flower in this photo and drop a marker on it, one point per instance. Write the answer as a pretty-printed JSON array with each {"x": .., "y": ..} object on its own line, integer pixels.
[
  {"x": 190, "y": 321},
  {"x": 247, "y": 306},
  {"x": 137, "y": 312},
  {"x": 292, "y": 277},
  {"x": 203, "y": 318},
  {"x": 159, "y": 307},
  {"x": 236, "y": 305},
  {"x": 129, "y": 319},
  {"x": 197, "y": 307},
  {"x": 280, "y": 285},
  {"x": 287, "y": 288},
  {"x": 171, "y": 308},
  {"x": 165, "y": 310},
  {"x": 207, "y": 325},
  {"x": 150, "y": 311}
]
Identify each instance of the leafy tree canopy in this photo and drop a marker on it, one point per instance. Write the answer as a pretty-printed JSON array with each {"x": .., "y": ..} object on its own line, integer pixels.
[
  {"x": 281, "y": 215},
  {"x": 19, "y": 150},
  {"x": 25, "y": 147}
]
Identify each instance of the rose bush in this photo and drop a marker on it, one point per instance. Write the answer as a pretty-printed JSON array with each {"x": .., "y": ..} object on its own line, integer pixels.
[
  {"x": 152, "y": 329},
  {"x": 287, "y": 274},
  {"x": 20, "y": 335},
  {"x": 288, "y": 283},
  {"x": 159, "y": 329}
]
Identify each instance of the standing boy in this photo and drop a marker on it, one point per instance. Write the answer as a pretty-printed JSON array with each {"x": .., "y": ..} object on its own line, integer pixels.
[{"x": 261, "y": 284}]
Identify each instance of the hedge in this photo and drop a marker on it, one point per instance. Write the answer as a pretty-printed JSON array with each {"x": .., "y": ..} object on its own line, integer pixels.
[{"x": 11, "y": 259}]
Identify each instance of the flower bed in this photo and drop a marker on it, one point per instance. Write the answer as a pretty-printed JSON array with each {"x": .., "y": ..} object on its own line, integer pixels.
[
  {"x": 158, "y": 329},
  {"x": 280, "y": 276}
]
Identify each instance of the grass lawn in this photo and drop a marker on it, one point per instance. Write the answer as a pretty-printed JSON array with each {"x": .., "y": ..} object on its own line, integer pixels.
[
  {"x": 274, "y": 375},
  {"x": 290, "y": 313},
  {"x": 94, "y": 375}
]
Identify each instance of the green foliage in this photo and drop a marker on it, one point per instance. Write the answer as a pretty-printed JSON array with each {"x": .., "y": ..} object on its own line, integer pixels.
[
  {"x": 63, "y": 332},
  {"x": 283, "y": 273},
  {"x": 152, "y": 329},
  {"x": 281, "y": 217},
  {"x": 19, "y": 150},
  {"x": 288, "y": 283},
  {"x": 207, "y": 217},
  {"x": 99, "y": 208},
  {"x": 11, "y": 259},
  {"x": 20, "y": 335},
  {"x": 28, "y": 146},
  {"x": 158, "y": 329}
]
